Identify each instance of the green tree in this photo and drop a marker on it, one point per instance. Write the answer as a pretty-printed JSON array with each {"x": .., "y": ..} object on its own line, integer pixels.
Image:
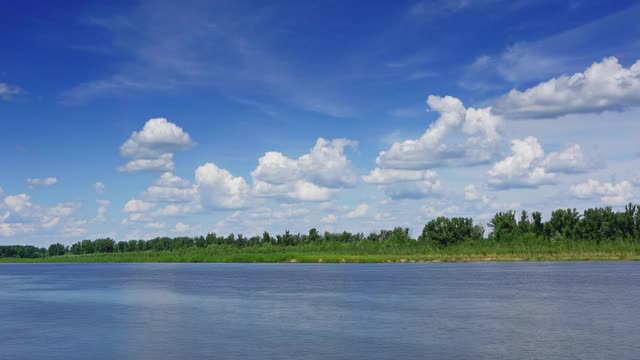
[
  {"x": 314, "y": 236},
  {"x": 524, "y": 225},
  {"x": 57, "y": 249},
  {"x": 266, "y": 238},
  {"x": 444, "y": 231},
  {"x": 538, "y": 225},
  {"x": 563, "y": 223},
  {"x": 399, "y": 235},
  {"x": 503, "y": 225},
  {"x": 104, "y": 245}
]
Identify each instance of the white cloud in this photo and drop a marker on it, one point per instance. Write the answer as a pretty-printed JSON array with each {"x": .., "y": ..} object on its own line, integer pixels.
[
  {"x": 410, "y": 184},
  {"x": 314, "y": 176},
  {"x": 12, "y": 229},
  {"x": 101, "y": 215},
  {"x": 327, "y": 165},
  {"x": 329, "y": 219},
  {"x": 138, "y": 206},
  {"x": 171, "y": 188},
  {"x": 358, "y": 212},
  {"x": 518, "y": 63},
  {"x": 175, "y": 210},
  {"x": 433, "y": 212},
  {"x": 20, "y": 216},
  {"x": 152, "y": 148},
  {"x": 299, "y": 190},
  {"x": 48, "y": 181},
  {"x": 99, "y": 187},
  {"x": 18, "y": 203},
  {"x": 479, "y": 128},
  {"x": 219, "y": 189},
  {"x": 527, "y": 166},
  {"x": 522, "y": 168},
  {"x": 569, "y": 160},
  {"x": 471, "y": 193},
  {"x": 155, "y": 225},
  {"x": 7, "y": 91},
  {"x": 605, "y": 85},
  {"x": 306, "y": 191},
  {"x": 275, "y": 168},
  {"x": 562, "y": 52},
  {"x": 392, "y": 176},
  {"x": 162, "y": 163},
  {"x": 168, "y": 179},
  {"x": 609, "y": 193},
  {"x": 75, "y": 228},
  {"x": 182, "y": 228},
  {"x": 62, "y": 210}
]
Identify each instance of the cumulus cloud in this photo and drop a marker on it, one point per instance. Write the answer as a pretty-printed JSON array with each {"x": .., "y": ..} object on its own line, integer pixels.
[
  {"x": 153, "y": 147},
  {"x": 181, "y": 228},
  {"x": 138, "y": 206},
  {"x": 609, "y": 193},
  {"x": 522, "y": 167},
  {"x": 605, "y": 85},
  {"x": 48, "y": 181},
  {"x": 175, "y": 210},
  {"x": 314, "y": 176},
  {"x": 358, "y": 212},
  {"x": 19, "y": 215},
  {"x": 405, "y": 184},
  {"x": 299, "y": 190},
  {"x": 172, "y": 189},
  {"x": 162, "y": 163},
  {"x": 527, "y": 166},
  {"x": 218, "y": 188},
  {"x": 569, "y": 160},
  {"x": 99, "y": 187},
  {"x": 214, "y": 188},
  {"x": 18, "y": 203},
  {"x": 479, "y": 129},
  {"x": 307, "y": 191}
]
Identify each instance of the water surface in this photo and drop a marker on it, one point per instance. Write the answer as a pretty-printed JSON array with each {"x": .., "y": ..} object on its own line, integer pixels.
[{"x": 320, "y": 311}]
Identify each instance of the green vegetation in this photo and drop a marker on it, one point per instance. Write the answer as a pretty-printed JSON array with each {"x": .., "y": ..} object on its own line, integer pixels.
[{"x": 596, "y": 234}]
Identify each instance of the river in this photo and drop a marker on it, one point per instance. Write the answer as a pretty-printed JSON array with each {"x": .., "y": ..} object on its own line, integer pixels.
[{"x": 567, "y": 310}]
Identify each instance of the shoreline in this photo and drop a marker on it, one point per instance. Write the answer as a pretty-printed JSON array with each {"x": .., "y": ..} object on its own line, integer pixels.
[{"x": 319, "y": 259}]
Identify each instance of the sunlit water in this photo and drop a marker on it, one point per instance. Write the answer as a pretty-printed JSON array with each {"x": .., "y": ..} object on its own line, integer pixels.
[{"x": 320, "y": 311}]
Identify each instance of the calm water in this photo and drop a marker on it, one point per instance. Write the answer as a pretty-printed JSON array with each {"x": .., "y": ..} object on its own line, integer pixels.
[{"x": 323, "y": 311}]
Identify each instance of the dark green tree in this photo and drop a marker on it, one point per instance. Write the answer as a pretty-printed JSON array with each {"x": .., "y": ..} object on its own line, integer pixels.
[
  {"x": 503, "y": 225},
  {"x": 57, "y": 249}
]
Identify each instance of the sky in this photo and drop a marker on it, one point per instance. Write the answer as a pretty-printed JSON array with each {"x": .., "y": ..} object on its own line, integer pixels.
[{"x": 137, "y": 119}]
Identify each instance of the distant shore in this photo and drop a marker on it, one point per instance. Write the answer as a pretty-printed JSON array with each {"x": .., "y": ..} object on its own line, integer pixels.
[
  {"x": 596, "y": 235},
  {"x": 203, "y": 256}
]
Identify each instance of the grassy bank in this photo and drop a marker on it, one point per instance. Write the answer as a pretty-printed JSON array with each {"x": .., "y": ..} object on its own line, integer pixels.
[{"x": 372, "y": 252}]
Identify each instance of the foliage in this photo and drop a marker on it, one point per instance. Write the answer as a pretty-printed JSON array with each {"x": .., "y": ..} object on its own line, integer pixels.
[
  {"x": 20, "y": 251},
  {"x": 600, "y": 231},
  {"x": 503, "y": 225},
  {"x": 444, "y": 231}
]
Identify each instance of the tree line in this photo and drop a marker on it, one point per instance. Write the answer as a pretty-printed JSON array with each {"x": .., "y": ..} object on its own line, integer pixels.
[{"x": 594, "y": 224}]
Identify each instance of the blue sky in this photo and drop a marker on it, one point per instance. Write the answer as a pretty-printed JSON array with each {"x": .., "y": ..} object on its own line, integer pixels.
[{"x": 138, "y": 119}]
